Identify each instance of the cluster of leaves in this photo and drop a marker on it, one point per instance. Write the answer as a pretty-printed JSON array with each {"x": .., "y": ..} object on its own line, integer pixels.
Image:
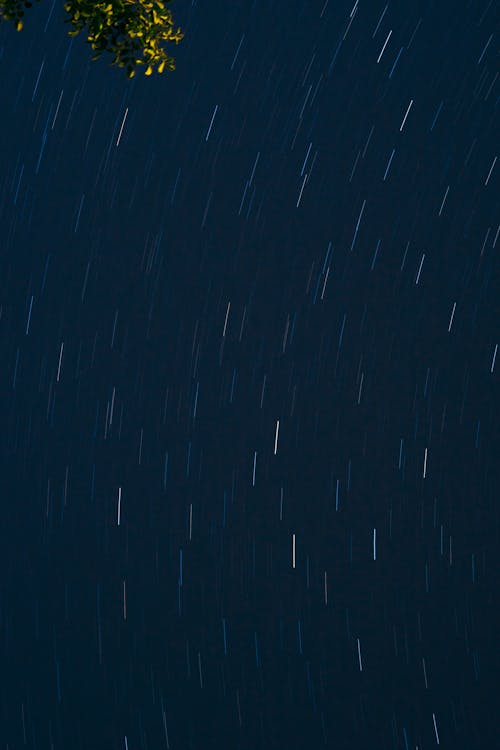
[
  {"x": 13, "y": 10},
  {"x": 134, "y": 31}
]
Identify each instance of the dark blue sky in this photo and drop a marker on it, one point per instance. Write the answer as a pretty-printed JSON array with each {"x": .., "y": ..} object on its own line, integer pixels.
[{"x": 249, "y": 392}]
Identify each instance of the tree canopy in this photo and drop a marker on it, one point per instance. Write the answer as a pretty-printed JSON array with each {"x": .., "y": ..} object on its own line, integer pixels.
[{"x": 133, "y": 31}]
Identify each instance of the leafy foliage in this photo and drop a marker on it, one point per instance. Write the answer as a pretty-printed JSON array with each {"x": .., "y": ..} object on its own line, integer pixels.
[{"x": 134, "y": 31}]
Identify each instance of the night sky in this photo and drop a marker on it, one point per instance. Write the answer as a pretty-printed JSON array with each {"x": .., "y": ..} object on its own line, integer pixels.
[{"x": 249, "y": 383}]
